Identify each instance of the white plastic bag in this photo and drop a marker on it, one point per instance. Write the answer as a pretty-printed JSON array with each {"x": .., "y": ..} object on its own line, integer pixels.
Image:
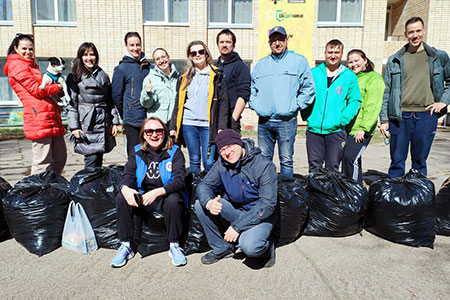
[{"x": 78, "y": 235}]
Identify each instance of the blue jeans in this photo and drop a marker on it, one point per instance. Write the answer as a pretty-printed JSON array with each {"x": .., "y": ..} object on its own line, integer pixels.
[
  {"x": 196, "y": 137},
  {"x": 417, "y": 128},
  {"x": 284, "y": 133},
  {"x": 254, "y": 242}
]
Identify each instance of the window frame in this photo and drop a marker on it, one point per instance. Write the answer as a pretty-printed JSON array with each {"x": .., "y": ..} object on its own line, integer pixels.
[
  {"x": 166, "y": 17},
  {"x": 338, "y": 22},
  {"x": 55, "y": 22},
  {"x": 8, "y": 22},
  {"x": 229, "y": 24}
]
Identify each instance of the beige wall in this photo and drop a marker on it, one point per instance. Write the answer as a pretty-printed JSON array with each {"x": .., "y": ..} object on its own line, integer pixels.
[
  {"x": 439, "y": 25},
  {"x": 22, "y": 24},
  {"x": 367, "y": 38}
]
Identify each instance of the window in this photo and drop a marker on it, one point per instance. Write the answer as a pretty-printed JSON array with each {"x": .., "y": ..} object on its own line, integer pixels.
[
  {"x": 51, "y": 12},
  {"x": 166, "y": 12},
  {"x": 7, "y": 95},
  {"x": 5, "y": 11},
  {"x": 340, "y": 13},
  {"x": 230, "y": 13}
]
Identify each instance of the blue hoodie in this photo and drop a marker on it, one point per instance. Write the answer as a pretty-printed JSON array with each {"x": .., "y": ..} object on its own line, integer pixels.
[
  {"x": 281, "y": 86},
  {"x": 126, "y": 89}
]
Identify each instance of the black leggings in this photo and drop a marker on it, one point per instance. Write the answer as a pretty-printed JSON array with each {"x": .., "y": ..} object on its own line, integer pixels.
[{"x": 170, "y": 206}]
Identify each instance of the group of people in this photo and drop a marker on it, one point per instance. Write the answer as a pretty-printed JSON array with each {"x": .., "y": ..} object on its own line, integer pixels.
[{"x": 162, "y": 108}]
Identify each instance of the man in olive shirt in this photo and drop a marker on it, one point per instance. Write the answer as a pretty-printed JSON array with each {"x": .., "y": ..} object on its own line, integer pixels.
[{"x": 417, "y": 80}]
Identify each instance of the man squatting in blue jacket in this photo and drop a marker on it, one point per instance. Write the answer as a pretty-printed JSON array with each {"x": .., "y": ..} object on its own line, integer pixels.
[
  {"x": 237, "y": 76},
  {"x": 248, "y": 182},
  {"x": 282, "y": 84}
]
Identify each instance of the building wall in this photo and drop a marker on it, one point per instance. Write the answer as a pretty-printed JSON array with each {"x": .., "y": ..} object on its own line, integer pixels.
[
  {"x": 367, "y": 38},
  {"x": 21, "y": 10},
  {"x": 439, "y": 24}
]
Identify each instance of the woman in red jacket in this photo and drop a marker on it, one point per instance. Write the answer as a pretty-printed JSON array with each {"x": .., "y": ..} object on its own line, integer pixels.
[{"x": 41, "y": 117}]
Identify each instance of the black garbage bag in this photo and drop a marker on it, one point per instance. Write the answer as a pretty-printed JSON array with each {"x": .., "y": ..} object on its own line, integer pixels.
[
  {"x": 96, "y": 190},
  {"x": 402, "y": 210},
  {"x": 291, "y": 211},
  {"x": 196, "y": 240},
  {"x": 443, "y": 209},
  {"x": 337, "y": 205},
  {"x": 35, "y": 210},
  {"x": 371, "y": 176},
  {"x": 4, "y": 231},
  {"x": 151, "y": 238}
]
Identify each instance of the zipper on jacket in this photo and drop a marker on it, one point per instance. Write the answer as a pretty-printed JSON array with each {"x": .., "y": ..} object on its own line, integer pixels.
[
  {"x": 325, "y": 106},
  {"x": 35, "y": 112},
  {"x": 132, "y": 87}
]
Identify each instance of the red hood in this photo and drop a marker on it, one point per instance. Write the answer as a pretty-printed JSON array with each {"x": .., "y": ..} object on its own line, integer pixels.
[{"x": 15, "y": 57}]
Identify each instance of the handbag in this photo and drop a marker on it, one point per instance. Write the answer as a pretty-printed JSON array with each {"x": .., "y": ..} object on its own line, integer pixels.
[{"x": 78, "y": 235}]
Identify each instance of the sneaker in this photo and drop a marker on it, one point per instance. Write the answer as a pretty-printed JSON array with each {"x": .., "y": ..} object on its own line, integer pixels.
[
  {"x": 211, "y": 257},
  {"x": 123, "y": 255},
  {"x": 270, "y": 256},
  {"x": 177, "y": 255}
]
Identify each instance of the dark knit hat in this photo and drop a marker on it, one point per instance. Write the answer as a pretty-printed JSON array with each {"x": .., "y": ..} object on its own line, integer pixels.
[{"x": 228, "y": 137}]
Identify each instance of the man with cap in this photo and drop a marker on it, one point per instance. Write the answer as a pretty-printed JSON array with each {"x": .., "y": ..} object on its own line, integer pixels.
[
  {"x": 281, "y": 85},
  {"x": 238, "y": 197}
]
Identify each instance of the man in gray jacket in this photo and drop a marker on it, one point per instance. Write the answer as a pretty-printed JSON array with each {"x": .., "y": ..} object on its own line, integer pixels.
[
  {"x": 238, "y": 196},
  {"x": 417, "y": 80}
]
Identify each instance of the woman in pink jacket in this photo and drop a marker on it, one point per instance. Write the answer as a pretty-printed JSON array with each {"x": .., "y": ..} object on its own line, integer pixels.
[{"x": 41, "y": 117}]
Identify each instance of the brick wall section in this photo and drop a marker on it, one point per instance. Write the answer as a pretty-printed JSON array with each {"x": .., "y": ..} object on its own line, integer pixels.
[
  {"x": 439, "y": 24},
  {"x": 367, "y": 38},
  {"x": 407, "y": 9},
  {"x": 22, "y": 18}
]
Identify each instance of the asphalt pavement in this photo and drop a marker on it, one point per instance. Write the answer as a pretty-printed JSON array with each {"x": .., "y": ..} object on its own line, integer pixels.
[{"x": 361, "y": 266}]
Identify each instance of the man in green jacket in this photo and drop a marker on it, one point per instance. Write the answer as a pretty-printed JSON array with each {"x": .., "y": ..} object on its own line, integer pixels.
[
  {"x": 417, "y": 80},
  {"x": 337, "y": 102}
]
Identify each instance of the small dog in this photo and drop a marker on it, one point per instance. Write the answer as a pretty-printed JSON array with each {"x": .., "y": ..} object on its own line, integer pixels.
[{"x": 53, "y": 75}]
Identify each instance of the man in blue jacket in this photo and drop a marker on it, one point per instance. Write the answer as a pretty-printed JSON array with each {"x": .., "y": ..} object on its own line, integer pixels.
[
  {"x": 248, "y": 181},
  {"x": 237, "y": 76},
  {"x": 417, "y": 80},
  {"x": 282, "y": 85},
  {"x": 338, "y": 100}
]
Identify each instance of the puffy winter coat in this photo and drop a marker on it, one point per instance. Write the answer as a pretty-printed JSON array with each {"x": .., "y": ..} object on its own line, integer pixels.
[
  {"x": 91, "y": 109},
  {"x": 41, "y": 116},
  {"x": 126, "y": 89}
]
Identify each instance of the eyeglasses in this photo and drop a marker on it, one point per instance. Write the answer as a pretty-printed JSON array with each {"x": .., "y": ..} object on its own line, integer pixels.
[
  {"x": 158, "y": 131},
  {"x": 278, "y": 38},
  {"x": 199, "y": 52},
  {"x": 225, "y": 149}
]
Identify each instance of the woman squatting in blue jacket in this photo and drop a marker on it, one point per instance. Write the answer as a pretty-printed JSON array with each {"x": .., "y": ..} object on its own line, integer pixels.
[{"x": 153, "y": 180}]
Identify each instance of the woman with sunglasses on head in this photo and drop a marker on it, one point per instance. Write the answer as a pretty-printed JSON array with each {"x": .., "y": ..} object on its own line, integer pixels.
[
  {"x": 41, "y": 117},
  {"x": 201, "y": 107},
  {"x": 92, "y": 117},
  {"x": 362, "y": 128},
  {"x": 127, "y": 85},
  {"x": 153, "y": 181}
]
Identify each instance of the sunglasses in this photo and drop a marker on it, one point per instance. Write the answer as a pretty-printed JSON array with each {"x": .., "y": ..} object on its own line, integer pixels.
[
  {"x": 149, "y": 132},
  {"x": 279, "y": 38},
  {"x": 23, "y": 35},
  {"x": 199, "y": 52}
]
